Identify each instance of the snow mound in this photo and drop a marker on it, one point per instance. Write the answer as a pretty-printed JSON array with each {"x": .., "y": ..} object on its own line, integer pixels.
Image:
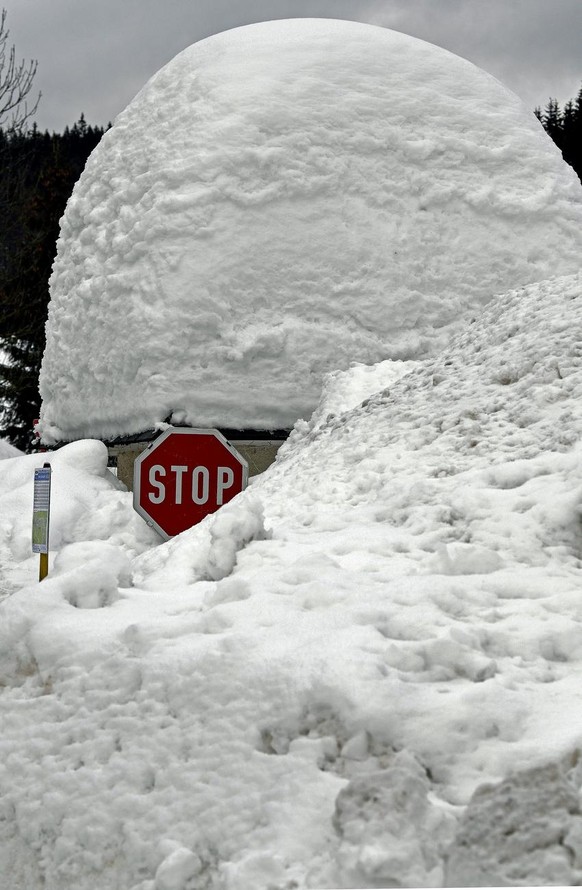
[
  {"x": 88, "y": 504},
  {"x": 208, "y": 551},
  {"x": 282, "y": 200},
  {"x": 7, "y": 450},
  {"x": 343, "y": 390},
  {"x": 504, "y": 394},
  {"x": 364, "y": 671}
]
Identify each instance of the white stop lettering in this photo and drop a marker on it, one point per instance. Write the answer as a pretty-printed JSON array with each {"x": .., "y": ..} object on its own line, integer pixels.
[
  {"x": 200, "y": 485},
  {"x": 161, "y": 479}
]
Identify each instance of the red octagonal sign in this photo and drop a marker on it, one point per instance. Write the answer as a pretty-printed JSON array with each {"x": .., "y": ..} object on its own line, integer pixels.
[{"x": 184, "y": 475}]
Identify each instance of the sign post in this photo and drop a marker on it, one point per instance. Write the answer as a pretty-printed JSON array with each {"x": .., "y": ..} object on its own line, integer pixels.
[
  {"x": 41, "y": 510},
  {"x": 184, "y": 475}
]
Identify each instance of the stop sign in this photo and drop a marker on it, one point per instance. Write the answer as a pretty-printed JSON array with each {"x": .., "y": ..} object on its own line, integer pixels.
[{"x": 184, "y": 475}]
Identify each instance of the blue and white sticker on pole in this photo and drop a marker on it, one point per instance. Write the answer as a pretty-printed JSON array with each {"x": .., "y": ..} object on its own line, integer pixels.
[{"x": 41, "y": 509}]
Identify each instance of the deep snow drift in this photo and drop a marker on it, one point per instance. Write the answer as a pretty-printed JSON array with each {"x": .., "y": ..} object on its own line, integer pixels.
[
  {"x": 8, "y": 450},
  {"x": 308, "y": 689},
  {"x": 279, "y": 201}
]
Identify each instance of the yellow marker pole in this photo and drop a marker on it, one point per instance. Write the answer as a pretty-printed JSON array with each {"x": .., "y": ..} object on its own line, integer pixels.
[{"x": 43, "y": 566}]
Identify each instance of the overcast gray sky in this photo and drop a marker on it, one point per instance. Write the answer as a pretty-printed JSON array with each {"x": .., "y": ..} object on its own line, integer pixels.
[{"x": 94, "y": 55}]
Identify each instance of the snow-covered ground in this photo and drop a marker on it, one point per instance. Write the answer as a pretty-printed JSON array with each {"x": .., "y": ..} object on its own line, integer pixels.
[
  {"x": 364, "y": 671},
  {"x": 8, "y": 450}
]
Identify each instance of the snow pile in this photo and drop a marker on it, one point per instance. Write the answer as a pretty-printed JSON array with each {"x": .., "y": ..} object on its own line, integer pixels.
[
  {"x": 343, "y": 390},
  {"x": 209, "y": 550},
  {"x": 87, "y": 504},
  {"x": 282, "y": 200},
  {"x": 8, "y": 450},
  {"x": 364, "y": 671}
]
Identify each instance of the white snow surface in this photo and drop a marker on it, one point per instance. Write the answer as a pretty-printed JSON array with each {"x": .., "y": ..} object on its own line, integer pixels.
[
  {"x": 8, "y": 450},
  {"x": 364, "y": 671},
  {"x": 282, "y": 200}
]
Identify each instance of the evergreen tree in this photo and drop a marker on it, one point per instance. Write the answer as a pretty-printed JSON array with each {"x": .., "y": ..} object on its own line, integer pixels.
[
  {"x": 565, "y": 128},
  {"x": 552, "y": 121},
  {"x": 32, "y": 201}
]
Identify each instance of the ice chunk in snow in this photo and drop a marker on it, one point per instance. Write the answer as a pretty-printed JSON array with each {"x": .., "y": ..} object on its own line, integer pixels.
[
  {"x": 524, "y": 831},
  {"x": 177, "y": 869},
  {"x": 465, "y": 559},
  {"x": 391, "y": 834}
]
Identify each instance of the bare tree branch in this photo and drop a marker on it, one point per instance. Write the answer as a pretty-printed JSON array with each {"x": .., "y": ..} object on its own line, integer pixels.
[{"x": 16, "y": 80}]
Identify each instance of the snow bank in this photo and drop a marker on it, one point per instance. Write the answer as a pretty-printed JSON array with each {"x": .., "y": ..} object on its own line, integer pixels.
[
  {"x": 87, "y": 504},
  {"x": 8, "y": 450},
  {"x": 343, "y": 390},
  {"x": 364, "y": 671},
  {"x": 209, "y": 550},
  {"x": 280, "y": 201}
]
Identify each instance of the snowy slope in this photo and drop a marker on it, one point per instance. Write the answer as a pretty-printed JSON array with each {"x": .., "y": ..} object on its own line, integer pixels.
[
  {"x": 307, "y": 689},
  {"x": 8, "y": 450},
  {"x": 282, "y": 200}
]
